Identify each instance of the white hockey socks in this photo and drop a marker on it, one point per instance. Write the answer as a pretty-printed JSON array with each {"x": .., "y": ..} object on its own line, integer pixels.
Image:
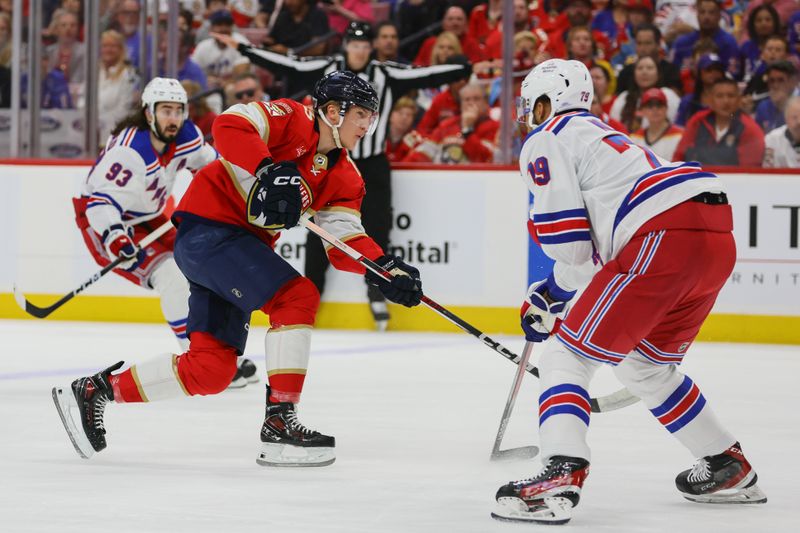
[
  {"x": 168, "y": 281},
  {"x": 676, "y": 401},
  {"x": 564, "y": 408},
  {"x": 287, "y": 353},
  {"x": 156, "y": 379}
]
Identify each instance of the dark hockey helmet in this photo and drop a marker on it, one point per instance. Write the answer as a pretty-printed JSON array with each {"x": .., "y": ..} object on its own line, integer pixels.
[
  {"x": 345, "y": 88},
  {"x": 358, "y": 31}
]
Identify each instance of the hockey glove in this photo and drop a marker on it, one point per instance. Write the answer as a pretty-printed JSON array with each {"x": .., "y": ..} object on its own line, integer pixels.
[
  {"x": 275, "y": 201},
  {"x": 118, "y": 242},
  {"x": 405, "y": 288},
  {"x": 543, "y": 309}
]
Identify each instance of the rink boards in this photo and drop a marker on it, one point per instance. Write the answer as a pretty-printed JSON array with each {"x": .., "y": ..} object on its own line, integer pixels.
[{"x": 463, "y": 227}]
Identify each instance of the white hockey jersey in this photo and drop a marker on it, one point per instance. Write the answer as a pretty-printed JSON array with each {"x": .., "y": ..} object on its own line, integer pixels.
[
  {"x": 130, "y": 183},
  {"x": 593, "y": 188},
  {"x": 782, "y": 151}
]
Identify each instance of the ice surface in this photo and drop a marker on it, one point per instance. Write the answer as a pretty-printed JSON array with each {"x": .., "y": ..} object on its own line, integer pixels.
[{"x": 414, "y": 416}]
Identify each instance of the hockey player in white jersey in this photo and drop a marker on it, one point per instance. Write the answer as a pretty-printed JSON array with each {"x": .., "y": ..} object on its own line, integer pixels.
[
  {"x": 651, "y": 242},
  {"x": 123, "y": 199}
]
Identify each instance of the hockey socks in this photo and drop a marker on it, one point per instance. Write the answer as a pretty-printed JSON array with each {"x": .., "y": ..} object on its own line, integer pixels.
[{"x": 288, "y": 349}]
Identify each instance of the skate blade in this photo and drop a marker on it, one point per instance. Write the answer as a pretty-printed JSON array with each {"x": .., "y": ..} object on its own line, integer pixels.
[
  {"x": 749, "y": 495},
  {"x": 66, "y": 406},
  {"x": 287, "y": 455},
  {"x": 558, "y": 511}
]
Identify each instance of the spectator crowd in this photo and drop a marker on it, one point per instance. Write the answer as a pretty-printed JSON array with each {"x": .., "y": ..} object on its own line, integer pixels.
[{"x": 714, "y": 81}]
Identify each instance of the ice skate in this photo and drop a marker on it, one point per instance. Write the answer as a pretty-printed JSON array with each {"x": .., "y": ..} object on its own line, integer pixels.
[
  {"x": 246, "y": 374},
  {"x": 378, "y": 307},
  {"x": 546, "y": 498},
  {"x": 723, "y": 478},
  {"x": 287, "y": 442},
  {"x": 81, "y": 410}
]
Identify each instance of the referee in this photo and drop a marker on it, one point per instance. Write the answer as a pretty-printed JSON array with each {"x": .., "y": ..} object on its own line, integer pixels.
[{"x": 391, "y": 81}]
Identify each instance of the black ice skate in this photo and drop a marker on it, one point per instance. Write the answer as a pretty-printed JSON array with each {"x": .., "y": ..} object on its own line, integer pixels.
[
  {"x": 378, "y": 307},
  {"x": 246, "y": 373},
  {"x": 546, "y": 498},
  {"x": 81, "y": 410},
  {"x": 723, "y": 478},
  {"x": 287, "y": 442}
]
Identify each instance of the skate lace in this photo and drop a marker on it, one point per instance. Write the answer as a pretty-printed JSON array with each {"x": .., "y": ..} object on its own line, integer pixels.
[
  {"x": 99, "y": 409},
  {"x": 536, "y": 476},
  {"x": 701, "y": 471},
  {"x": 291, "y": 418}
]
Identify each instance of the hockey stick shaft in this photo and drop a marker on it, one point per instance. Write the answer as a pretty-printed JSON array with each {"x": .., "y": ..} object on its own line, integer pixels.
[
  {"x": 617, "y": 400},
  {"x": 43, "y": 312},
  {"x": 510, "y": 402},
  {"x": 377, "y": 269}
]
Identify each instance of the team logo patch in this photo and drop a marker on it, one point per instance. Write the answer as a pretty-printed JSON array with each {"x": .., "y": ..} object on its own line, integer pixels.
[
  {"x": 682, "y": 348},
  {"x": 274, "y": 109},
  {"x": 236, "y": 292}
]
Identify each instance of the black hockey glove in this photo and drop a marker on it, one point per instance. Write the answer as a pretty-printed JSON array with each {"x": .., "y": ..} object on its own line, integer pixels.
[
  {"x": 275, "y": 201},
  {"x": 405, "y": 287}
]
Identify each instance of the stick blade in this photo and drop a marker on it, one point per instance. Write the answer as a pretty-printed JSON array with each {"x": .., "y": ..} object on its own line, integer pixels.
[
  {"x": 612, "y": 402},
  {"x": 28, "y": 307},
  {"x": 515, "y": 454}
]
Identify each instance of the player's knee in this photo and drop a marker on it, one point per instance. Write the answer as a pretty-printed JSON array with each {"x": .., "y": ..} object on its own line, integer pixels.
[
  {"x": 209, "y": 365},
  {"x": 640, "y": 377},
  {"x": 168, "y": 280},
  {"x": 562, "y": 366},
  {"x": 294, "y": 303}
]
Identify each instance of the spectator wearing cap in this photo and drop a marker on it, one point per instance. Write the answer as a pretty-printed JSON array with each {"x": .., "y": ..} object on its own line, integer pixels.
[
  {"x": 645, "y": 76},
  {"x": 783, "y": 143},
  {"x": 220, "y": 62},
  {"x": 454, "y": 21},
  {"x": 660, "y": 135},
  {"x": 298, "y": 23},
  {"x": 781, "y": 78},
  {"x": 576, "y": 13},
  {"x": 762, "y": 24},
  {"x": 648, "y": 43},
  {"x": 722, "y": 135},
  {"x": 709, "y": 14},
  {"x": 343, "y": 12},
  {"x": 386, "y": 45},
  {"x": 709, "y": 69}
]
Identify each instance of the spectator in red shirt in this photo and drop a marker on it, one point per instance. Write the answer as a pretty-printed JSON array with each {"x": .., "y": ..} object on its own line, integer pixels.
[
  {"x": 445, "y": 104},
  {"x": 454, "y": 21},
  {"x": 578, "y": 13},
  {"x": 485, "y": 18},
  {"x": 493, "y": 49},
  {"x": 199, "y": 112},
  {"x": 722, "y": 135},
  {"x": 401, "y": 138},
  {"x": 467, "y": 138}
]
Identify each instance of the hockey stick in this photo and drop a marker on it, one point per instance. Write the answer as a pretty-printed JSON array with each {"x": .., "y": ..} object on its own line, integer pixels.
[
  {"x": 43, "y": 312},
  {"x": 524, "y": 452},
  {"x": 617, "y": 400}
]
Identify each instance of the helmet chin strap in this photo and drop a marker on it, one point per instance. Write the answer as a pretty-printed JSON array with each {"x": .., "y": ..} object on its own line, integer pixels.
[{"x": 334, "y": 129}]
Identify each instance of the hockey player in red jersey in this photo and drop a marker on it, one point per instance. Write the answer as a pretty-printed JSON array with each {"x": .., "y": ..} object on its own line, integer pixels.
[
  {"x": 278, "y": 160},
  {"x": 654, "y": 242}
]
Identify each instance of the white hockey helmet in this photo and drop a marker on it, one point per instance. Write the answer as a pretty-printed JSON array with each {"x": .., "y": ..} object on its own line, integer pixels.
[
  {"x": 567, "y": 83},
  {"x": 163, "y": 90}
]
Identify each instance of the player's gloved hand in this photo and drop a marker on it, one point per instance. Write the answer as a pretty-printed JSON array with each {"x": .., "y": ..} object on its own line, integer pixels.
[
  {"x": 543, "y": 309},
  {"x": 118, "y": 242},
  {"x": 275, "y": 201},
  {"x": 405, "y": 287}
]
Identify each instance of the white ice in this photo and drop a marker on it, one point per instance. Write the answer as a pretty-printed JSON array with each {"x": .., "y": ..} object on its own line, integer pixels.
[{"x": 414, "y": 416}]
